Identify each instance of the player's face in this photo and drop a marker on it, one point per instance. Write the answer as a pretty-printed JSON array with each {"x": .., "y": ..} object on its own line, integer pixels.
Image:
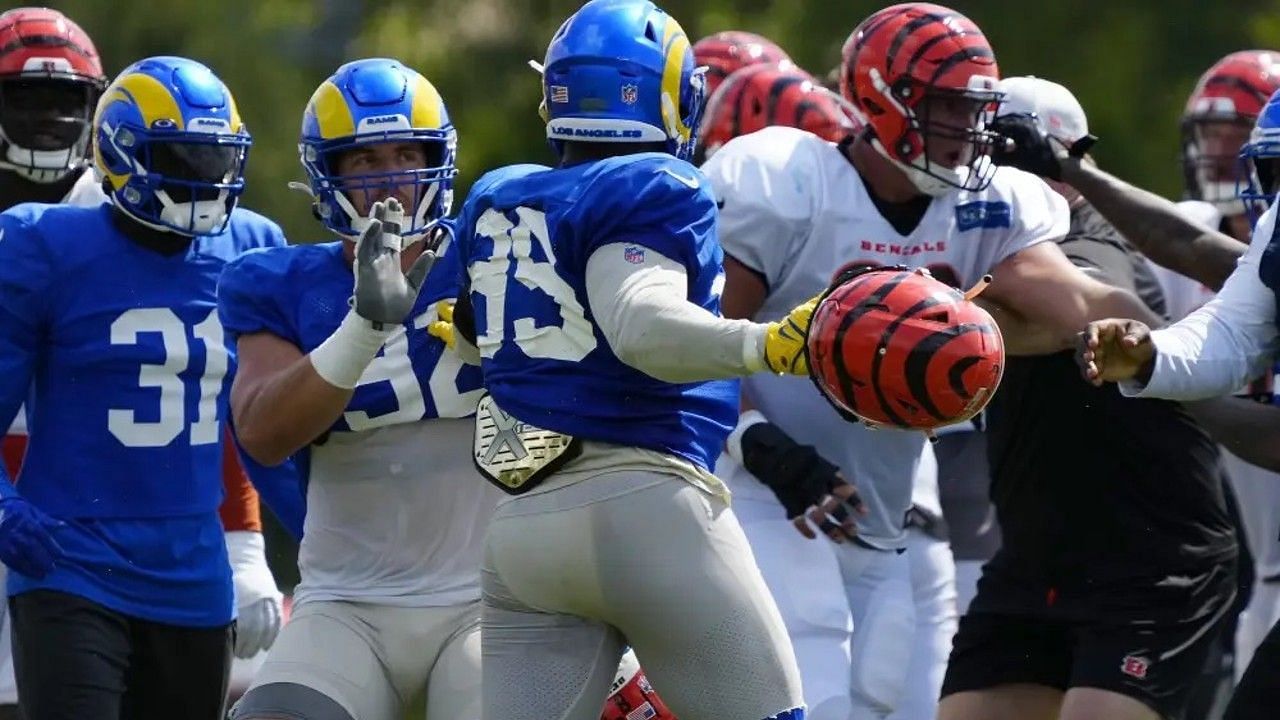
[
  {"x": 389, "y": 159},
  {"x": 950, "y": 121},
  {"x": 44, "y": 114},
  {"x": 1218, "y": 143}
]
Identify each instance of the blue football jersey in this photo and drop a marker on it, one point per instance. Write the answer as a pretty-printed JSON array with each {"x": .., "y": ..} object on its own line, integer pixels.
[
  {"x": 525, "y": 235},
  {"x": 300, "y": 294},
  {"x": 128, "y": 368}
]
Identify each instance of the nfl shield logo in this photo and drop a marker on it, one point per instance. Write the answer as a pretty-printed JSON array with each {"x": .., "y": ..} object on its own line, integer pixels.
[
  {"x": 630, "y": 93},
  {"x": 633, "y": 254}
]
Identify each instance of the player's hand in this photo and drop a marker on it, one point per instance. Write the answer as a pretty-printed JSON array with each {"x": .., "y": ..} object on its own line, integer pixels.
[
  {"x": 258, "y": 601},
  {"x": 1113, "y": 350},
  {"x": 784, "y": 341},
  {"x": 384, "y": 294},
  {"x": 1029, "y": 148},
  {"x": 443, "y": 328},
  {"x": 809, "y": 488},
  {"x": 27, "y": 544}
]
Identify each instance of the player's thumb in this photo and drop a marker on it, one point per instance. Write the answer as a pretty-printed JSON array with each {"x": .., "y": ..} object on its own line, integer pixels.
[{"x": 418, "y": 273}]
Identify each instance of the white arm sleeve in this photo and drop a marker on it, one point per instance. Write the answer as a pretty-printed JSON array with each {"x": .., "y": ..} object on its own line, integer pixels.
[
  {"x": 644, "y": 313},
  {"x": 1223, "y": 345}
]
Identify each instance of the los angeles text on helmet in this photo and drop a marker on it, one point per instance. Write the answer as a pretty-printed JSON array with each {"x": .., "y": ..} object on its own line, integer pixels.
[{"x": 597, "y": 133}]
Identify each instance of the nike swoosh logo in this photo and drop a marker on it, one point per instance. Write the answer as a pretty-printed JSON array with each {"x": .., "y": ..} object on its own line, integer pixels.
[{"x": 687, "y": 182}]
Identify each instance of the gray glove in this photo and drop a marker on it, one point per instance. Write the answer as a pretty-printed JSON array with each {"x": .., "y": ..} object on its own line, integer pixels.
[{"x": 384, "y": 294}]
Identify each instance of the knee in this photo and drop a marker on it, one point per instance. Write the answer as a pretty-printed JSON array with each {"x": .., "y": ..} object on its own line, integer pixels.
[{"x": 287, "y": 701}]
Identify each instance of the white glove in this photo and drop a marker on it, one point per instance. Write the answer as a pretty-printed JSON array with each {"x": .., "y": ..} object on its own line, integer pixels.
[{"x": 258, "y": 600}]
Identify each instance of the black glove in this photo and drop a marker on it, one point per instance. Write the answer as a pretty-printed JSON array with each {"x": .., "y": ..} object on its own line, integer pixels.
[
  {"x": 796, "y": 473},
  {"x": 1028, "y": 148}
]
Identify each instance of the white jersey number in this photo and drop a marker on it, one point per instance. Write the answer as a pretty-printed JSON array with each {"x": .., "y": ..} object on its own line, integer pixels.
[
  {"x": 572, "y": 339},
  {"x": 165, "y": 376}
]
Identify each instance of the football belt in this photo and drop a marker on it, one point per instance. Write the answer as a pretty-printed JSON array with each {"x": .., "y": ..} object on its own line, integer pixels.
[{"x": 515, "y": 455}]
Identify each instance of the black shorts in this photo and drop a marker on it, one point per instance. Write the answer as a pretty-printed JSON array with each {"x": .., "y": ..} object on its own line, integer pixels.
[
  {"x": 77, "y": 660},
  {"x": 1154, "y": 658}
]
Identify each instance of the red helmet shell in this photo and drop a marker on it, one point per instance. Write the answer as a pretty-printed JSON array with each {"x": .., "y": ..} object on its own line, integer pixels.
[
  {"x": 759, "y": 96},
  {"x": 727, "y": 52}
]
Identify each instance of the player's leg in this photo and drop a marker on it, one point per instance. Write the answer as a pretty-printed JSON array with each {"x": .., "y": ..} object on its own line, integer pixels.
[
  {"x": 70, "y": 656},
  {"x": 1092, "y": 703},
  {"x": 1257, "y": 494},
  {"x": 878, "y": 586},
  {"x": 453, "y": 686},
  {"x": 177, "y": 672},
  {"x": 1005, "y": 667},
  {"x": 664, "y": 563},
  {"x": 325, "y": 665},
  {"x": 804, "y": 579},
  {"x": 933, "y": 589},
  {"x": 1258, "y": 694},
  {"x": 8, "y": 685},
  {"x": 537, "y": 659}
]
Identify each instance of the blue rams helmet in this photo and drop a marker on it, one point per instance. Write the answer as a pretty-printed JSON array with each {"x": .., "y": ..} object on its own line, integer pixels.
[
  {"x": 170, "y": 146},
  {"x": 378, "y": 101},
  {"x": 622, "y": 71},
  {"x": 1260, "y": 156}
]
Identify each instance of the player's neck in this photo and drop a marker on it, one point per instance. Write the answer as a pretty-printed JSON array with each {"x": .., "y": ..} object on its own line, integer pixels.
[
  {"x": 160, "y": 241},
  {"x": 15, "y": 189},
  {"x": 881, "y": 176},
  {"x": 576, "y": 153}
]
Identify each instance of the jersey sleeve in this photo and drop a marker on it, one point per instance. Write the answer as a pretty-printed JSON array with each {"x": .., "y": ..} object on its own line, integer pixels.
[
  {"x": 1036, "y": 214},
  {"x": 1218, "y": 348},
  {"x": 27, "y": 272},
  {"x": 248, "y": 299},
  {"x": 764, "y": 199}
]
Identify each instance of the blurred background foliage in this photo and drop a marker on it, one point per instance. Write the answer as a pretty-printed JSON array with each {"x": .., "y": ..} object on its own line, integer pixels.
[{"x": 1132, "y": 64}]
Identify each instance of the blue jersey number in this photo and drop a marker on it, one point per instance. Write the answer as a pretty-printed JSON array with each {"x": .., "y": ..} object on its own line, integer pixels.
[
  {"x": 124, "y": 424},
  {"x": 573, "y": 338}
]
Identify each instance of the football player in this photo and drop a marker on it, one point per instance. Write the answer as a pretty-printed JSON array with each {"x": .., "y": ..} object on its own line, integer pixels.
[
  {"x": 50, "y": 81},
  {"x": 1101, "y": 501},
  {"x": 388, "y": 604},
  {"x": 1212, "y": 352},
  {"x": 591, "y": 302},
  {"x": 914, "y": 188},
  {"x": 120, "y": 589}
]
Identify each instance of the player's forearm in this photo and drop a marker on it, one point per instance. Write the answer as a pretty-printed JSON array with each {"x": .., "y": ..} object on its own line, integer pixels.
[
  {"x": 285, "y": 412},
  {"x": 1155, "y": 226},
  {"x": 1249, "y": 429}
]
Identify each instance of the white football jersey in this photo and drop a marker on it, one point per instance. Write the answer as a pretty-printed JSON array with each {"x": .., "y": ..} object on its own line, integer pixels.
[
  {"x": 86, "y": 192},
  {"x": 1182, "y": 295},
  {"x": 794, "y": 210},
  {"x": 396, "y": 514}
]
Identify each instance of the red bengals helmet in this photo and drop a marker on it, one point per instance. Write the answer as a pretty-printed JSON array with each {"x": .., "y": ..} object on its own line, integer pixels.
[
  {"x": 898, "y": 348},
  {"x": 925, "y": 77},
  {"x": 727, "y": 52},
  {"x": 50, "y": 81},
  {"x": 1216, "y": 123},
  {"x": 631, "y": 697},
  {"x": 758, "y": 96}
]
